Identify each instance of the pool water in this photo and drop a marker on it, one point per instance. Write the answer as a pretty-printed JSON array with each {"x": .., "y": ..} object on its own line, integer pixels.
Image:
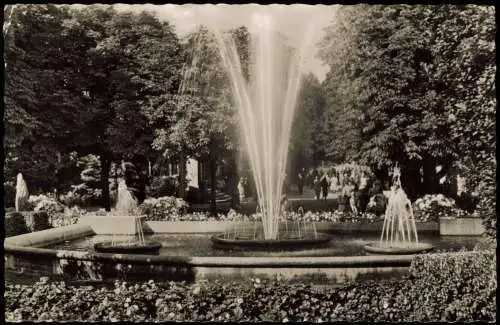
[{"x": 201, "y": 245}]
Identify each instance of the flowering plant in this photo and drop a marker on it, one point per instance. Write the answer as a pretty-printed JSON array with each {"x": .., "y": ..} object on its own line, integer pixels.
[
  {"x": 46, "y": 203},
  {"x": 433, "y": 206},
  {"x": 162, "y": 208},
  {"x": 70, "y": 216},
  {"x": 324, "y": 216}
]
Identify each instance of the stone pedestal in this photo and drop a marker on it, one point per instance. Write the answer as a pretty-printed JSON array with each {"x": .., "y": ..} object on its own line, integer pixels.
[{"x": 461, "y": 226}]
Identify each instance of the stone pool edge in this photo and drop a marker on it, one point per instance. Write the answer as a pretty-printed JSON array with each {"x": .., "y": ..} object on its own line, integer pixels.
[
  {"x": 26, "y": 245},
  {"x": 23, "y": 254}
]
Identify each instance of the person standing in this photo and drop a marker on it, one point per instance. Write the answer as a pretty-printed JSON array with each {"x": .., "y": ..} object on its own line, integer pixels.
[
  {"x": 334, "y": 182},
  {"x": 324, "y": 185},
  {"x": 301, "y": 176},
  {"x": 317, "y": 187},
  {"x": 354, "y": 200},
  {"x": 241, "y": 189}
]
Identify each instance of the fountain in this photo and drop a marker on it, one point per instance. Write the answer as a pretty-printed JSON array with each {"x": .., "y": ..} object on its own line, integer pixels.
[
  {"x": 399, "y": 233},
  {"x": 126, "y": 205},
  {"x": 265, "y": 106}
]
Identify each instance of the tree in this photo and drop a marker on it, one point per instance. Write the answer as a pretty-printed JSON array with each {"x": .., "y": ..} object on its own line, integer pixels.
[
  {"x": 198, "y": 121},
  {"x": 132, "y": 59},
  {"x": 41, "y": 106},
  {"x": 310, "y": 126},
  {"x": 87, "y": 98},
  {"x": 395, "y": 64}
]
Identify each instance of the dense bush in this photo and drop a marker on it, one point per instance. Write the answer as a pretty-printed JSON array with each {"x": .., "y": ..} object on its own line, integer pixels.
[
  {"x": 15, "y": 224},
  {"x": 37, "y": 221},
  {"x": 160, "y": 187},
  {"x": 9, "y": 194},
  {"x": 442, "y": 287},
  {"x": 433, "y": 206},
  {"x": 69, "y": 217},
  {"x": 163, "y": 208},
  {"x": 458, "y": 287},
  {"x": 46, "y": 203}
]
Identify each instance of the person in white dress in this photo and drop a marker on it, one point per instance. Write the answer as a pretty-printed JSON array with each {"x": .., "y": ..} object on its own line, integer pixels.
[{"x": 241, "y": 189}]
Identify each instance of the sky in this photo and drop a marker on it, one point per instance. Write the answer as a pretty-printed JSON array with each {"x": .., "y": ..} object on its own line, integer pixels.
[{"x": 294, "y": 21}]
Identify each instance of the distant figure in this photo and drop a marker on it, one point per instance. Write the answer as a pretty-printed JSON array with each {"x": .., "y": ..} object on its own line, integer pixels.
[
  {"x": 241, "y": 189},
  {"x": 363, "y": 181},
  {"x": 317, "y": 187},
  {"x": 378, "y": 200},
  {"x": 324, "y": 185},
  {"x": 22, "y": 193},
  {"x": 301, "y": 178},
  {"x": 285, "y": 184},
  {"x": 334, "y": 183},
  {"x": 354, "y": 200},
  {"x": 284, "y": 204}
]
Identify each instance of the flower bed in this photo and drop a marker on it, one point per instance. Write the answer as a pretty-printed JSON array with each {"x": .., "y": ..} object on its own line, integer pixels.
[
  {"x": 324, "y": 216},
  {"x": 69, "y": 217},
  {"x": 433, "y": 206},
  {"x": 158, "y": 208},
  {"x": 45, "y": 203},
  {"x": 441, "y": 287}
]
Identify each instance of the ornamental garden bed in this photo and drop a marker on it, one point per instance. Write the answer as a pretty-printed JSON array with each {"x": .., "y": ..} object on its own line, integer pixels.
[{"x": 440, "y": 287}]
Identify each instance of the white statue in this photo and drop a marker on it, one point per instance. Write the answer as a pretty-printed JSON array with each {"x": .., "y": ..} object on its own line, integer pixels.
[{"x": 22, "y": 193}]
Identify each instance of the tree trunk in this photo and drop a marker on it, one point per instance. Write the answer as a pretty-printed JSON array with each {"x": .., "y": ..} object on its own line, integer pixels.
[
  {"x": 233, "y": 181},
  {"x": 410, "y": 179},
  {"x": 213, "y": 180},
  {"x": 431, "y": 181},
  {"x": 182, "y": 175},
  {"x": 383, "y": 176},
  {"x": 105, "y": 167}
]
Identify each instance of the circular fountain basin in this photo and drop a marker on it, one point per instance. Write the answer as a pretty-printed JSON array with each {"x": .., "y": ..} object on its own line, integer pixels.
[
  {"x": 269, "y": 244},
  {"x": 412, "y": 248},
  {"x": 128, "y": 248}
]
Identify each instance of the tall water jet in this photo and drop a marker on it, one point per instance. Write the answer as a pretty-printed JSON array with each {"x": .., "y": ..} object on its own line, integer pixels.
[
  {"x": 399, "y": 232},
  {"x": 266, "y": 106}
]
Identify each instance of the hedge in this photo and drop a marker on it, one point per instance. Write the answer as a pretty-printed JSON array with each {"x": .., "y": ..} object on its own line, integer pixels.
[
  {"x": 15, "y": 224},
  {"x": 18, "y": 223},
  {"x": 37, "y": 221},
  {"x": 441, "y": 287}
]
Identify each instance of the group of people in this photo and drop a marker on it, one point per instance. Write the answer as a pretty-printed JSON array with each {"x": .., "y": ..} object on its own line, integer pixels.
[{"x": 355, "y": 188}]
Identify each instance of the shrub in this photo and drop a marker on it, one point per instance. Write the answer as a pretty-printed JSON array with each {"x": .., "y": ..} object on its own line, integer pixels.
[
  {"x": 70, "y": 216},
  {"x": 46, "y": 203},
  {"x": 433, "y": 206},
  {"x": 161, "y": 187},
  {"x": 71, "y": 199},
  {"x": 162, "y": 208},
  {"x": 37, "y": 221},
  {"x": 458, "y": 287},
  {"x": 82, "y": 195},
  {"x": 9, "y": 194},
  {"x": 15, "y": 224},
  {"x": 436, "y": 291}
]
